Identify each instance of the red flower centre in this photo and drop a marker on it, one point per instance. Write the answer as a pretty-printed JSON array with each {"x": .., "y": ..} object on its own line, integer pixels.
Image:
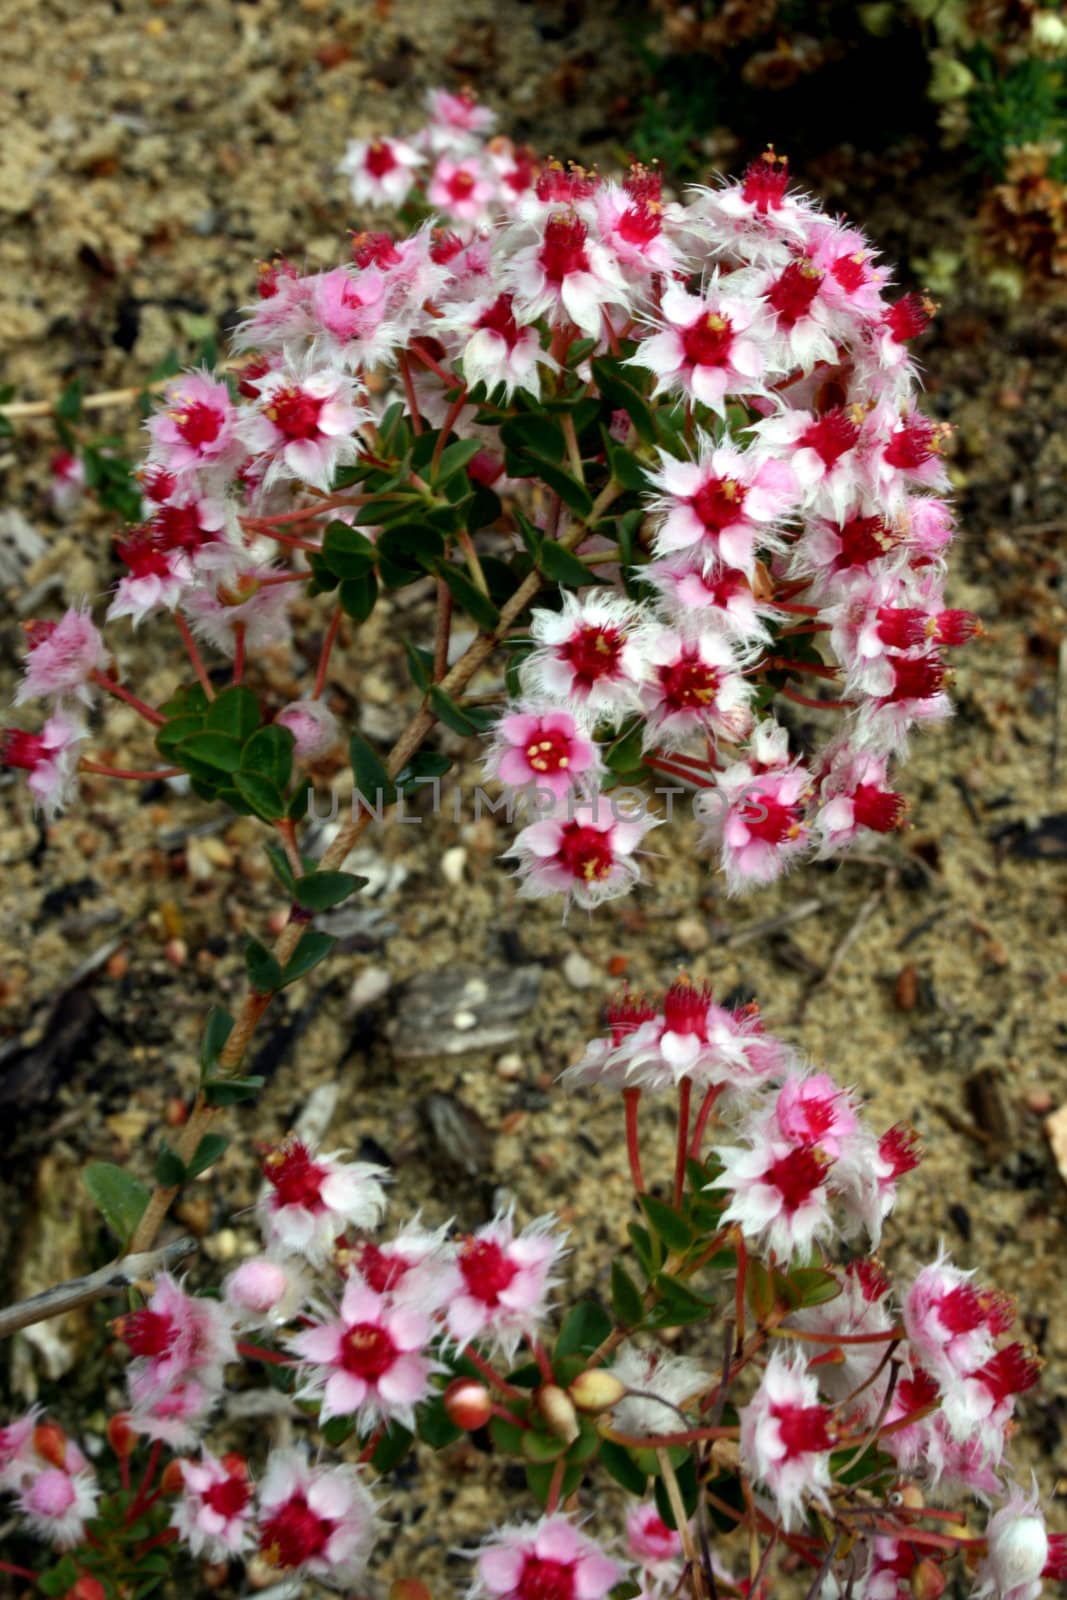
[
  {"x": 830, "y": 437},
  {"x": 563, "y": 248},
  {"x": 160, "y": 484},
  {"x": 367, "y": 1351},
  {"x": 909, "y": 317},
  {"x": 375, "y": 250},
  {"x": 792, "y": 293},
  {"x": 380, "y": 1271},
  {"x": 911, "y": 445},
  {"x": 228, "y": 1498},
  {"x": 719, "y": 502},
  {"x": 850, "y": 271},
  {"x": 689, "y": 684},
  {"x": 803, "y": 1429},
  {"x": 500, "y": 319},
  {"x": 863, "y": 539},
  {"x": 771, "y": 820},
  {"x": 146, "y": 1333},
  {"x": 585, "y": 852},
  {"x": 685, "y": 1009},
  {"x": 549, "y": 750},
  {"x": 707, "y": 341},
  {"x": 178, "y": 528},
  {"x": 796, "y": 1176},
  {"x": 199, "y": 424},
  {"x": 815, "y": 1118},
  {"x": 379, "y": 159},
  {"x": 593, "y": 651},
  {"x": 486, "y": 1270},
  {"x": 460, "y": 185},
  {"x": 880, "y": 810},
  {"x": 543, "y": 1579},
  {"x": 296, "y": 1179},
  {"x": 293, "y": 1534},
  {"x": 903, "y": 627},
  {"x": 960, "y": 1310},
  {"x": 144, "y": 557},
  {"x": 1011, "y": 1371},
  {"x": 765, "y": 183},
  {"x": 295, "y": 413},
  {"x": 917, "y": 677},
  {"x": 871, "y": 1277},
  {"x": 639, "y": 225}
]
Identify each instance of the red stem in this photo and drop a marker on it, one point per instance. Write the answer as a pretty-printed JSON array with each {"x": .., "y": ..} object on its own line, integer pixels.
[
  {"x": 256, "y": 1352},
  {"x": 168, "y": 1536},
  {"x": 739, "y": 1291},
  {"x": 239, "y": 649},
  {"x": 843, "y": 1338},
  {"x": 707, "y": 1106},
  {"x": 156, "y": 718},
  {"x": 409, "y": 390},
  {"x": 136, "y": 1505},
  {"x": 661, "y": 1441},
  {"x": 282, "y": 577},
  {"x": 446, "y": 427},
  {"x": 324, "y": 654},
  {"x": 491, "y": 1375},
  {"x": 685, "y": 1096},
  {"x": 135, "y": 773},
  {"x": 676, "y": 772},
  {"x": 802, "y": 611},
  {"x": 816, "y": 705},
  {"x": 555, "y": 1488},
  {"x": 428, "y": 361},
  {"x": 544, "y": 1365},
  {"x": 18, "y": 1572},
  {"x": 372, "y": 1443},
  {"x": 194, "y": 655},
  {"x": 305, "y": 512},
  {"x": 630, "y": 1100},
  {"x": 288, "y": 539}
]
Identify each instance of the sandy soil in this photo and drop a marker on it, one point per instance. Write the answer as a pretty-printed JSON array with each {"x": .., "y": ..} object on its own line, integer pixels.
[{"x": 155, "y": 152}]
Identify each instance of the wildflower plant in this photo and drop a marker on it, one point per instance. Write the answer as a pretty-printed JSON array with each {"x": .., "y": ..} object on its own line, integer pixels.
[{"x": 666, "y": 459}]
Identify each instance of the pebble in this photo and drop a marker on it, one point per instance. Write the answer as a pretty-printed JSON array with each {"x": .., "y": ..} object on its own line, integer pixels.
[
  {"x": 222, "y": 1246},
  {"x": 453, "y": 863},
  {"x": 370, "y": 986},
  {"x": 1056, "y": 1130},
  {"x": 579, "y": 971},
  {"x": 692, "y": 934},
  {"x": 509, "y": 1066},
  {"x": 1039, "y": 1101}
]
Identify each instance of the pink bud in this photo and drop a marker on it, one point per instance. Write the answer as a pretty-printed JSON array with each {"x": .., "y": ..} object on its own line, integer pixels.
[
  {"x": 256, "y": 1285},
  {"x": 50, "y": 1494},
  {"x": 468, "y": 1404}
]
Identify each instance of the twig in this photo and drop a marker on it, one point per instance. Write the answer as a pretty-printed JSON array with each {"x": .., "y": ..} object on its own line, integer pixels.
[
  {"x": 844, "y": 945},
  {"x": 757, "y": 930},
  {"x": 1059, "y": 725},
  {"x": 685, "y": 1533},
  {"x": 112, "y": 1279}
]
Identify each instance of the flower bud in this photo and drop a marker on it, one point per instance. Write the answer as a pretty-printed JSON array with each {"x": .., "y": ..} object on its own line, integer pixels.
[
  {"x": 85, "y": 1587},
  {"x": 928, "y": 1582},
  {"x": 256, "y": 1285},
  {"x": 50, "y": 1443},
  {"x": 409, "y": 1589},
  {"x": 469, "y": 1406},
  {"x": 172, "y": 1480},
  {"x": 596, "y": 1390},
  {"x": 555, "y": 1406},
  {"x": 120, "y": 1436}
]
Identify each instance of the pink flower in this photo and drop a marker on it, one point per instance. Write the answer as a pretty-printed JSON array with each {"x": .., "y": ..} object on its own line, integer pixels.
[
  {"x": 691, "y": 1037},
  {"x": 369, "y": 1362},
  {"x": 630, "y": 223},
  {"x": 704, "y": 594},
  {"x": 349, "y": 309},
  {"x": 585, "y": 851},
  {"x": 158, "y": 577},
  {"x": 312, "y": 1199},
  {"x": 851, "y": 282},
  {"x": 461, "y": 188},
  {"x": 787, "y": 1436},
  {"x": 546, "y": 1560},
  {"x": 815, "y": 1111},
  {"x": 650, "y": 1541},
  {"x": 821, "y": 453},
  {"x": 861, "y": 1308},
  {"x": 693, "y": 685},
  {"x": 304, "y": 424},
  {"x": 215, "y": 1508},
  {"x": 804, "y": 325},
  {"x": 950, "y": 1323},
  {"x": 50, "y": 757},
  {"x": 18, "y": 1456},
  {"x": 1020, "y": 1551},
  {"x": 262, "y": 1290},
  {"x": 586, "y": 652},
  {"x": 317, "y": 1521},
  {"x": 176, "y": 1336},
  {"x": 713, "y": 345},
  {"x": 499, "y": 351},
  {"x": 855, "y": 796},
  {"x": 566, "y": 276},
  {"x": 904, "y": 452},
  {"x": 380, "y": 171},
  {"x": 176, "y": 1416},
  {"x": 659, "y": 1386},
  {"x": 777, "y": 1194},
  {"x": 545, "y": 748},
  {"x": 313, "y": 726},
  {"x": 417, "y": 1267},
  {"x": 758, "y": 822},
  {"x": 57, "y": 1504},
  {"x": 67, "y": 488},
  {"x": 197, "y": 428},
  {"x": 230, "y": 596},
  {"x": 722, "y": 506},
  {"x": 457, "y": 121},
  {"x": 506, "y": 1278},
  {"x": 61, "y": 658}
]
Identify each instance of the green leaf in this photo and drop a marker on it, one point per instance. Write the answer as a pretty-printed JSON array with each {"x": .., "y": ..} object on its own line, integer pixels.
[
  {"x": 231, "y": 1091},
  {"x": 622, "y": 1467},
  {"x": 218, "y": 1025},
  {"x": 539, "y": 1477},
  {"x": 646, "y": 1250},
  {"x": 678, "y": 1305},
  {"x": 412, "y": 544},
  {"x": 616, "y": 387},
  {"x": 584, "y": 1328},
  {"x": 542, "y": 1446},
  {"x": 263, "y": 796},
  {"x": 420, "y": 665},
  {"x": 626, "y": 1298},
  {"x": 453, "y": 716},
  {"x": 625, "y": 754},
  {"x": 170, "y": 1169},
  {"x": 435, "y": 1426},
  {"x": 269, "y": 752},
  {"x": 234, "y": 711},
  {"x": 532, "y": 537},
  {"x": 469, "y": 597},
  {"x": 264, "y": 973},
  {"x": 217, "y": 750},
  {"x": 671, "y": 1228},
  {"x": 313, "y": 948},
  {"x": 561, "y": 567},
  {"x": 625, "y": 467},
  {"x": 207, "y": 1152},
  {"x": 358, "y": 596},
  {"x": 812, "y": 1286},
  {"x": 58, "y": 1579},
  {"x": 454, "y": 457},
  {"x": 347, "y": 552},
  {"x": 394, "y": 1446},
  {"x": 726, "y": 1488},
  {"x": 119, "y": 1197},
  {"x": 336, "y": 1430},
  {"x": 423, "y": 764},
  {"x": 507, "y": 1436},
  {"x": 69, "y": 404},
  {"x": 282, "y": 870},
  {"x": 536, "y": 435},
  {"x": 176, "y": 729},
  {"x": 372, "y": 780},
  {"x": 318, "y": 891},
  {"x": 573, "y": 494}
]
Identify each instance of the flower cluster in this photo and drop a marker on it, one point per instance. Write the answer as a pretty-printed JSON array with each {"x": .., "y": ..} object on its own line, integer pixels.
[{"x": 714, "y": 403}]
